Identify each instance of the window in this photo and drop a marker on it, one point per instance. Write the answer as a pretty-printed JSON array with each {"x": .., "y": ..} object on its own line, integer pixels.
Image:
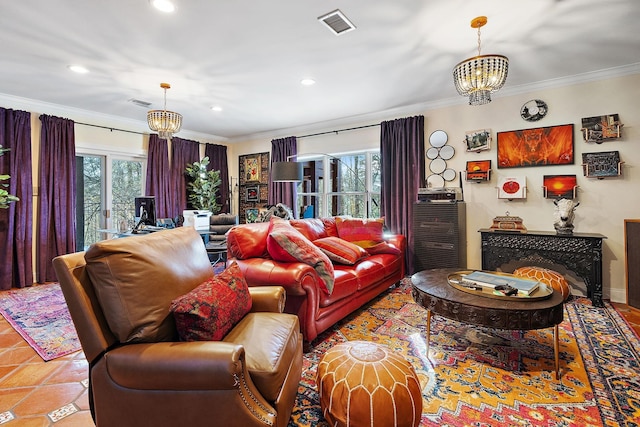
[
  {"x": 106, "y": 188},
  {"x": 351, "y": 186}
]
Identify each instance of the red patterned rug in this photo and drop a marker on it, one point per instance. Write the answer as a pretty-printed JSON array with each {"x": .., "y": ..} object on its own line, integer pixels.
[
  {"x": 40, "y": 315},
  {"x": 478, "y": 376}
]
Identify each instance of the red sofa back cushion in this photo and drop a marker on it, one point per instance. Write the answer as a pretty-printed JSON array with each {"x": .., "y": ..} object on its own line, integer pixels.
[
  {"x": 248, "y": 240},
  {"x": 311, "y": 228}
]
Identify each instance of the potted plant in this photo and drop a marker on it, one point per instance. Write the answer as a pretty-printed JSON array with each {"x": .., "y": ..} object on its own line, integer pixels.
[
  {"x": 5, "y": 197},
  {"x": 202, "y": 188}
]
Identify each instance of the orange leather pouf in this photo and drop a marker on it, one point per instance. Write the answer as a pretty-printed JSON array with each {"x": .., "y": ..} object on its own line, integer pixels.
[
  {"x": 366, "y": 384},
  {"x": 546, "y": 276}
]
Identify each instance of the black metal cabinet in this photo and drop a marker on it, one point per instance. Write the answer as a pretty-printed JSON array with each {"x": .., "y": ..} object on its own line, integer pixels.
[{"x": 439, "y": 235}]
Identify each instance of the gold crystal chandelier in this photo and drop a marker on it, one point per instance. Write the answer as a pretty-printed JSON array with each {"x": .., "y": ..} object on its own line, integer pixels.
[
  {"x": 166, "y": 123},
  {"x": 477, "y": 77}
]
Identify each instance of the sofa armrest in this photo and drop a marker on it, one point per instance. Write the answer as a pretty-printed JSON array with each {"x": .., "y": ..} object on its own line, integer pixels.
[
  {"x": 268, "y": 298},
  {"x": 398, "y": 240},
  {"x": 294, "y": 277},
  {"x": 201, "y": 365}
]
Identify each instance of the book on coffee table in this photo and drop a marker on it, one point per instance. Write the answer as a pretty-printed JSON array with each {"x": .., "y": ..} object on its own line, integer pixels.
[{"x": 489, "y": 280}]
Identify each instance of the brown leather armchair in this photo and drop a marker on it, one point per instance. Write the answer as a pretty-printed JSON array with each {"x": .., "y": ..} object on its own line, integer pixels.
[{"x": 147, "y": 377}]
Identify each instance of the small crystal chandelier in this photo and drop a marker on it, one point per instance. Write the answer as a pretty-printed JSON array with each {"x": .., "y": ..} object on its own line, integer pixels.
[
  {"x": 477, "y": 77},
  {"x": 166, "y": 123}
]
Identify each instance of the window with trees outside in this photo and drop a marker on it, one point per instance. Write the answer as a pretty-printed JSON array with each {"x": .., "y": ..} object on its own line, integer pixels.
[
  {"x": 342, "y": 184},
  {"x": 107, "y": 186}
]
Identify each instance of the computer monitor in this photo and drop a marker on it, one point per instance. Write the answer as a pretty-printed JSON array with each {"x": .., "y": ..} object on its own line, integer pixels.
[{"x": 145, "y": 210}]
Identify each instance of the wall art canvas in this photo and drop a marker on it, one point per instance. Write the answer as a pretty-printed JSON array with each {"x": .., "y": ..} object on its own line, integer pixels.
[
  {"x": 251, "y": 215},
  {"x": 252, "y": 169},
  {"x": 514, "y": 187},
  {"x": 479, "y": 170},
  {"x": 252, "y": 193},
  {"x": 543, "y": 146},
  {"x": 601, "y": 165},
  {"x": 601, "y": 128},
  {"x": 478, "y": 140},
  {"x": 559, "y": 186}
]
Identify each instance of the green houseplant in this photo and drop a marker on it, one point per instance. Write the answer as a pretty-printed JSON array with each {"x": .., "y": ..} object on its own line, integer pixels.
[
  {"x": 202, "y": 188},
  {"x": 5, "y": 197}
]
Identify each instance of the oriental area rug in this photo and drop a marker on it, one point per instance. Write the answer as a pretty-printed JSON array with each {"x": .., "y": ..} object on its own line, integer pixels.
[
  {"x": 40, "y": 315},
  {"x": 477, "y": 376}
]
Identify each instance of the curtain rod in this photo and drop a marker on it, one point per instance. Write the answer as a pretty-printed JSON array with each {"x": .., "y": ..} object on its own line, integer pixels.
[
  {"x": 337, "y": 131},
  {"x": 110, "y": 128}
]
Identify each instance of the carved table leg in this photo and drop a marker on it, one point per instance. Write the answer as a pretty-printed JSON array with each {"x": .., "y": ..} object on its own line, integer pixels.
[{"x": 428, "y": 331}]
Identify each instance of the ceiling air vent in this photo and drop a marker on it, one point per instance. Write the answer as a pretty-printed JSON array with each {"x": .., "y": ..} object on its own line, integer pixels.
[
  {"x": 337, "y": 22},
  {"x": 140, "y": 103}
]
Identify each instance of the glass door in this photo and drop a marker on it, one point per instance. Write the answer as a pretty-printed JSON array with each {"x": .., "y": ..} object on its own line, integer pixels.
[{"x": 106, "y": 188}]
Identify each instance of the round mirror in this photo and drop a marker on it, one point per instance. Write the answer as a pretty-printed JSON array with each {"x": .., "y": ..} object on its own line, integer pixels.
[
  {"x": 447, "y": 152},
  {"x": 438, "y": 138},
  {"x": 437, "y": 166},
  {"x": 432, "y": 153},
  {"x": 435, "y": 181},
  {"x": 449, "y": 174}
]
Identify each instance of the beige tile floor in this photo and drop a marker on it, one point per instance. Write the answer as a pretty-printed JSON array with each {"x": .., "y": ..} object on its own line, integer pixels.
[{"x": 37, "y": 393}]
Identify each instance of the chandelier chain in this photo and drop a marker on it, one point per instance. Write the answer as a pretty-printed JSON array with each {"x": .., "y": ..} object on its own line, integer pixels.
[{"x": 478, "y": 49}]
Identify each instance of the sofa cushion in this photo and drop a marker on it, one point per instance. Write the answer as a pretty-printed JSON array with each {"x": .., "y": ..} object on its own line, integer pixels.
[
  {"x": 363, "y": 232},
  {"x": 340, "y": 251},
  {"x": 211, "y": 310},
  {"x": 136, "y": 278},
  {"x": 311, "y": 228},
  {"x": 330, "y": 226},
  {"x": 285, "y": 242},
  {"x": 248, "y": 240}
]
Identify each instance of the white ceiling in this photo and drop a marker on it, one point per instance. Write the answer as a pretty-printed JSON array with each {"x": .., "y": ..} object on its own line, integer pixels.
[{"x": 248, "y": 56}]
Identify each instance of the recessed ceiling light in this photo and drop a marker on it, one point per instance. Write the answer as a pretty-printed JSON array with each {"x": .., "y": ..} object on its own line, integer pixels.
[
  {"x": 166, "y": 6},
  {"x": 80, "y": 69},
  {"x": 307, "y": 82},
  {"x": 216, "y": 108}
]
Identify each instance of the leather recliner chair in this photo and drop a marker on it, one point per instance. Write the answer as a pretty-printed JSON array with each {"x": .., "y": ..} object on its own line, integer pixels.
[{"x": 148, "y": 377}]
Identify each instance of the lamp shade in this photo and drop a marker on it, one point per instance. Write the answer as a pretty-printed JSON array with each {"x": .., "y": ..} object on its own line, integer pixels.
[{"x": 286, "y": 172}]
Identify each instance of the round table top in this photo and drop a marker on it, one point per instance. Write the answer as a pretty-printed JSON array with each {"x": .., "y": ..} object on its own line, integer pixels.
[{"x": 432, "y": 290}]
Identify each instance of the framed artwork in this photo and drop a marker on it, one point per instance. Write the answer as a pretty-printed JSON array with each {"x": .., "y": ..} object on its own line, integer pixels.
[
  {"x": 479, "y": 170},
  {"x": 512, "y": 188},
  {"x": 559, "y": 186},
  {"x": 252, "y": 169},
  {"x": 544, "y": 146},
  {"x": 601, "y": 165},
  {"x": 478, "y": 140},
  {"x": 601, "y": 128},
  {"x": 252, "y": 193},
  {"x": 251, "y": 215}
]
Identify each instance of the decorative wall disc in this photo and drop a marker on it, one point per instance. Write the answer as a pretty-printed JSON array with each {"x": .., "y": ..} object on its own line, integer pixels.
[
  {"x": 449, "y": 174},
  {"x": 534, "y": 110},
  {"x": 435, "y": 181},
  {"x": 447, "y": 152},
  {"x": 437, "y": 166},
  {"x": 432, "y": 153}
]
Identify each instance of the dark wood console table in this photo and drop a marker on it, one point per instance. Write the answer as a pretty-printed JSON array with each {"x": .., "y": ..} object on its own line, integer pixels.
[{"x": 580, "y": 253}]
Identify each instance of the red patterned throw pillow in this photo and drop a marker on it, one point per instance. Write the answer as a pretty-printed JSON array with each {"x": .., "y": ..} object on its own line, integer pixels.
[
  {"x": 212, "y": 309},
  {"x": 363, "y": 232},
  {"x": 384, "y": 248},
  {"x": 340, "y": 251},
  {"x": 287, "y": 244}
]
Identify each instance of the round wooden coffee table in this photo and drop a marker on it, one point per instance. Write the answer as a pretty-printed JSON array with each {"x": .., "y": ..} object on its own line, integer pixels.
[{"x": 432, "y": 291}]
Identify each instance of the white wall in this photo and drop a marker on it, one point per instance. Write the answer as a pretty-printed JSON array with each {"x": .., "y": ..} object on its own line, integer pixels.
[{"x": 604, "y": 204}]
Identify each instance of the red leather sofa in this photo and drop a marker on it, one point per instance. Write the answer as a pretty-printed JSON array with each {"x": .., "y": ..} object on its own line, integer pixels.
[{"x": 354, "y": 285}]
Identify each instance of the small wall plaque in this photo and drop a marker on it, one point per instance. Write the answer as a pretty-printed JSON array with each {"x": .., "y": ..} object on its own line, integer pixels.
[{"x": 601, "y": 165}]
